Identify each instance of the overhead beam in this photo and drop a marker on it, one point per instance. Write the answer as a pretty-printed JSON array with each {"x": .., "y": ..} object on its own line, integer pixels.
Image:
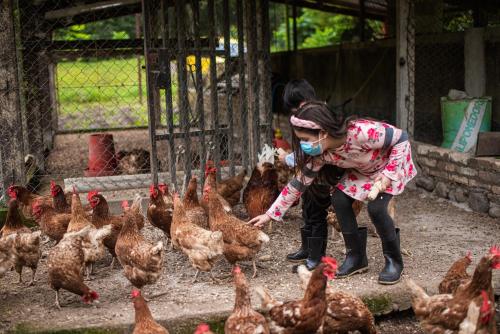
[
  {"x": 332, "y": 8},
  {"x": 88, "y": 8}
]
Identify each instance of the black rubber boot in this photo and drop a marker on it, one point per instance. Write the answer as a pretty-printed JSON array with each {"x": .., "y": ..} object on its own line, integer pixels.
[
  {"x": 355, "y": 261},
  {"x": 316, "y": 252},
  {"x": 391, "y": 274},
  {"x": 302, "y": 254}
]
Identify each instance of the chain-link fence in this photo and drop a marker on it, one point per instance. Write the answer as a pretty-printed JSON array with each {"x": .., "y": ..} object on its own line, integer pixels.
[
  {"x": 440, "y": 30},
  {"x": 99, "y": 102}
]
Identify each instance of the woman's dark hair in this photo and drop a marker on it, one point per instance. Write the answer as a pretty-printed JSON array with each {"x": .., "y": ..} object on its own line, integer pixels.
[
  {"x": 296, "y": 92},
  {"x": 334, "y": 123}
]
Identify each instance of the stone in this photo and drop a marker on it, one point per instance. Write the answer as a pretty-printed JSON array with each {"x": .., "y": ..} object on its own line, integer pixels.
[
  {"x": 442, "y": 190},
  {"x": 494, "y": 211},
  {"x": 460, "y": 195},
  {"x": 459, "y": 179},
  {"x": 489, "y": 177},
  {"x": 478, "y": 201},
  {"x": 425, "y": 182},
  {"x": 467, "y": 171},
  {"x": 458, "y": 157},
  {"x": 494, "y": 198},
  {"x": 427, "y": 162},
  {"x": 496, "y": 190}
]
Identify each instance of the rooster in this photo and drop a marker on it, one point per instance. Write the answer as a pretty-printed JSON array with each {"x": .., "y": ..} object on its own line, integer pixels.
[
  {"x": 141, "y": 261},
  {"x": 345, "y": 312},
  {"x": 242, "y": 242},
  {"x": 160, "y": 208},
  {"x": 443, "y": 313},
  {"x": 26, "y": 243},
  {"x": 52, "y": 223},
  {"x": 456, "y": 275},
  {"x": 65, "y": 263},
  {"x": 194, "y": 211},
  {"x": 304, "y": 315},
  {"x": 101, "y": 217},
  {"x": 92, "y": 245},
  {"x": 144, "y": 322},
  {"x": 244, "y": 320}
]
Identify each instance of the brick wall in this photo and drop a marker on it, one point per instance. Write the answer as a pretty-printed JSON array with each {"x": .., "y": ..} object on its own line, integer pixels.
[{"x": 459, "y": 177}]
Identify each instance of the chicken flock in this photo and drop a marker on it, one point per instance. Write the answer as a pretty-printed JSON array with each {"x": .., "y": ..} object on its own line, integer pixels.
[{"x": 205, "y": 230}]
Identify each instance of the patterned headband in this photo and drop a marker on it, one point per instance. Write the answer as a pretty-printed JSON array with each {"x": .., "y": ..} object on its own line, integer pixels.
[{"x": 302, "y": 123}]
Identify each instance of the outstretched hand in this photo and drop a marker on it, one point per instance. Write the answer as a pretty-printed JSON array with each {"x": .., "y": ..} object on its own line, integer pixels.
[{"x": 260, "y": 221}]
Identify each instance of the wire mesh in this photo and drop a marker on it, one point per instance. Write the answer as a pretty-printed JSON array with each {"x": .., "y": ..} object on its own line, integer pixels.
[{"x": 91, "y": 113}]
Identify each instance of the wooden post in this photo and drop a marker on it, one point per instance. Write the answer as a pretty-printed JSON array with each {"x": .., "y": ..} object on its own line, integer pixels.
[
  {"x": 405, "y": 56},
  {"x": 264, "y": 47},
  {"x": 295, "y": 37},
  {"x": 287, "y": 17},
  {"x": 362, "y": 14},
  {"x": 475, "y": 62},
  {"x": 11, "y": 140}
]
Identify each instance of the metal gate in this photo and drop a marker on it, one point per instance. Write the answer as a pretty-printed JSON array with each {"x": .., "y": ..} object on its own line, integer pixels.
[{"x": 209, "y": 88}]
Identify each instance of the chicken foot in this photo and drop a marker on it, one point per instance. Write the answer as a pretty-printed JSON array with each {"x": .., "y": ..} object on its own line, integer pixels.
[
  {"x": 57, "y": 300},
  {"x": 32, "y": 281},
  {"x": 89, "y": 269}
]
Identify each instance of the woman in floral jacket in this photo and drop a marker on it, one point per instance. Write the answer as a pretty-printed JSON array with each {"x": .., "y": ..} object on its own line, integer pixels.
[{"x": 371, "y": 152}]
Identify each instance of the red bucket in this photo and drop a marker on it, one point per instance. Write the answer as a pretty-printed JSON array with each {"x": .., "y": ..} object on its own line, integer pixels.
[{"x": 102, "y": 159}]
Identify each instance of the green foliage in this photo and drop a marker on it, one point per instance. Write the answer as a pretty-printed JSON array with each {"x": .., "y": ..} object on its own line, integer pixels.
[{"x": 115, "y": 28}]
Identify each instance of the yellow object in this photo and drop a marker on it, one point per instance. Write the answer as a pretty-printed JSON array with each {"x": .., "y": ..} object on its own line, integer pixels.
[
  {"x": 278, "y": 134},
  {"x": 191, "y": 64}
]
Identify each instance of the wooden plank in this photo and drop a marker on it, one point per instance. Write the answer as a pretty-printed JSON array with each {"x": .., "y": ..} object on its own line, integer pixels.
[
  {"x": 405, "y": 51},
  {"x": 11, "y": 140},
  {"x": 488, "y": 144}
]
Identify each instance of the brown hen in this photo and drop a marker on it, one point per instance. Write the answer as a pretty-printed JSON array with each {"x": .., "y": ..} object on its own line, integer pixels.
[
  {"x": 52, "y": 223},
  {"x": 144, "y": 321},
  {"x": 344, "y": 312},
  {"x": 443, "y": 313},
  {"x": 160, "y": 208},
  {"x": 456, "y": 275},
  {"x": 242, "y": 242},
  {"x": 194, "y": 211},
  {"x": 244, "y": 319},
  {"x": 66, "y": 262},
  {"x": 304, "y": 315}
]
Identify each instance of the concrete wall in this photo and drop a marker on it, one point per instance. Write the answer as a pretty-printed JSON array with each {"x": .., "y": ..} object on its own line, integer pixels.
[{"x": 341, "y": 71}]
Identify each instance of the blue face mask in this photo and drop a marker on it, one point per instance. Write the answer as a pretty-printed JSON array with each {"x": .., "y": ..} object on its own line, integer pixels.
[{"x": 310, "y": 148}]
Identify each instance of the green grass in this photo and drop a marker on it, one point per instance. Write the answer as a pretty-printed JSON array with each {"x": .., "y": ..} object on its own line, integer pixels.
[{"x": 104, "y": 89}]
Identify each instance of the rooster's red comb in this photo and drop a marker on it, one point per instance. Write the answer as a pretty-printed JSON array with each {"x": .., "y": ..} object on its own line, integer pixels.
[
  {"x": 136, "y": 293},
  {"x": 11, "y": 192},
  {"x": 52, "y": 184},
  {"x": 495, "y": 250},
  {"x": 236, "y": 269},
  {"x": 125, "y": 204},
  {"x": 91, "y": 194},
  {"x": 163, "y": 188},
  {"x": 202, "y": 328},
  {"x": 469, "y": 255}
]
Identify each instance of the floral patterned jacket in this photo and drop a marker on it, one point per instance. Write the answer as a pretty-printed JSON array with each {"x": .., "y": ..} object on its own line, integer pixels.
[{"x": 370, "y": 148}]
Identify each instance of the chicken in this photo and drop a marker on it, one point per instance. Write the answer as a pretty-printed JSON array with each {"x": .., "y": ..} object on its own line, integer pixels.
[
  {"x": 456, "y": 275},
  {"x": 52, "y": 223},
  {"x": 203, "y": 247},
  {"x": 345, "y": 312},
  {"x": 203, "y": 329},
  {"x": 101, "y": 217},
  {"x": 59, "y": 198},
  {"x": 93, "y": 243},
  {"x": 443, "y": 313},
  {"x": 284, "y": 172},
  {"x": 26, "y": 199},
  {"x": 25, "y": 243},
  {"x": 194, "y": 211},
  {"x": 244, "y": 320},
  {"x": 141, "y": 261},
  {"x": 241, "y": 241},
  {"x": 8, "y": 254},
  {"x": 65, "y": 263},
  {"x": 304, "y": 315},
  {"x": 231, "y": 188},
  {"x": 160, "y": 208},
  {"x": 144, "y": 322},
  {"x": 211, "y": 183},
  {"x": 479, "y": 319},
  {"x": 262, "y": 189}
]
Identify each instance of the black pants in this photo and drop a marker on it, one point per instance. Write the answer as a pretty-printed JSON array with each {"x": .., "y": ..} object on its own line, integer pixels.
[
  {"x": 315, "y": 202},
  {"x": 377, "y": 210}
]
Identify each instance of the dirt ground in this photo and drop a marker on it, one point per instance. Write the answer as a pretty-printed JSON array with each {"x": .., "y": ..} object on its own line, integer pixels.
[{"x": 434, "y": 233}]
